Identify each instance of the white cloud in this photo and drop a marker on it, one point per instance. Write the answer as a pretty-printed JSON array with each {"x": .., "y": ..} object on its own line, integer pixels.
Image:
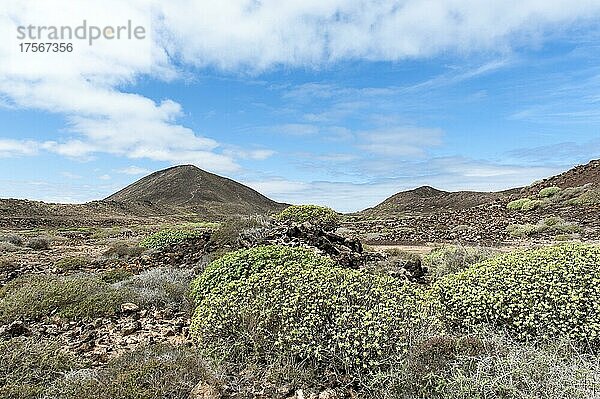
[
  {"x": 84, "y": 86},
  {"x": 259, "y": 35},
  {"x": 277, "y": 187},
  {"x": 134, "y": 171},
  {"x": 240, "y": 35},
  {"x": 104, "y": 177},
  {"x": 70, "y": 175},
  {"x": 254, "y": 154},
  {"x": 14, "y": 148},
  {"x": 400, "y": 141},
  {"x": 296, "y": 129}
]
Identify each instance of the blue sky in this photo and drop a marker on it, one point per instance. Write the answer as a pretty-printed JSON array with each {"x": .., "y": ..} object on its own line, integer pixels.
[{"x": 322, "y": 102}]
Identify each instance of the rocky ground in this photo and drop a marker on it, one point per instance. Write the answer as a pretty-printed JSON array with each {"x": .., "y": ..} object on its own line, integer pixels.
[{"x": 483, "y": 224}]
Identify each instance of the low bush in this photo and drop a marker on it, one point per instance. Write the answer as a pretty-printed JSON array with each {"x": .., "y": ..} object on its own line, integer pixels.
[
  {"x": 450, "y": 259},
  {"x": 121, "y": 250},
  {"x": 551, "y": 225},
  {"x": 525, "y": 204},
  {"x": 328, "y": 318},
  {"x": 525, "y": 230},
  {"x": 115, "y": 275},
  {"x": 8, "y": 247},
  {"x": 590, "y": 197},
  {"x": 532, "y": 204},
  {"x": 517, "y": 205},
  {"x": 13, "y": 239},
  {"x": 549, "y": 192},
  {"x": 29, "y": 365},
  {"x": 72, "y": 263},
  {"x": 569, "y": 193},
  {"x": 242, "y": 264},
  {"x": 160, "y": 287},
  {"x": 489, "y": 364},
  {"x": 39, "y": 243},
  {"x": 226, "y": 237},
  {"x": 166, "y": 238},
  {"x": 432, "y": 359},
  {"x": 69, "y": 297},
  {"x": 158, "y": 371},
  {"x": 535, "y": 294},
  {"x": 314, "y": 214}
]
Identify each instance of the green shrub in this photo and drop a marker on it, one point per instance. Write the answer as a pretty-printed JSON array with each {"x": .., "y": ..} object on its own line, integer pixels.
[
  {"x": 115, "y": 275},
  {"x": 552, "y": 221},
  {"x": 532, "y": 204},
  {"x": 553, "y": 224},
  {"x": 39, "y": 243},
  {"x": 330, "y": 318},
  {"x": 524, "y": 204},
  {"x": 243, "y": 263},
  {"x": 165, "y": 238},
  {"x": 590, "y": 197},
  {"x": 549, "y": 192},
  {"x": 121, "y": 250},
  {"x": 547, "y": 292},
  {"x": 70, "y": 297},
  {"x": 525, "y": 230},
  {"x": 517, "y": 205},
  {"x": 157, "y": 371},
  {"x": 449, "y": 259},
  {"x": 317, "y": 215},
  {"x": 29, "y": 365},
  {"x": 72, "y": 263},
  {"x": 13, "y": 239}
]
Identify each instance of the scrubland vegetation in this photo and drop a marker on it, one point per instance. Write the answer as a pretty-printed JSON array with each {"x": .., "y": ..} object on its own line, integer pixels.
[
  {"x": 507, "y": 311},
  {"x": 485, "y": 324},
  {"x": 555, "y": 196},
  {"x": 318, "y": 215}
]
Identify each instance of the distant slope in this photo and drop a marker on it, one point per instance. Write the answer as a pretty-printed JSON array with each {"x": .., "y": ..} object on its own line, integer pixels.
[
  {"x": 191, "y": 189},
  {"x": 578, "y": 176},
  {"x": 429, "y": 199}
]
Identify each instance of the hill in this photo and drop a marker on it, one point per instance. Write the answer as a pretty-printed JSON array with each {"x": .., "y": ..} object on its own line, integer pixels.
[
  {"x": 575, "y": 177},
  {"x": 426, "y": 214},
  {"x": 429, "y": 199},
  {"x": 177, "y": 193},
  {"x": 187, "y": 188}
]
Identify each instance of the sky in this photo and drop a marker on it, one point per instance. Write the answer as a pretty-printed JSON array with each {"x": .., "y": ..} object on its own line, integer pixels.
[{"x": 333, "y": 102}]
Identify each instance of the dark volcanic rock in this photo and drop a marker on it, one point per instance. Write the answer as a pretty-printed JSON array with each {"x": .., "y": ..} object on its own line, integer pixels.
[{"x": 346, "y": 251}]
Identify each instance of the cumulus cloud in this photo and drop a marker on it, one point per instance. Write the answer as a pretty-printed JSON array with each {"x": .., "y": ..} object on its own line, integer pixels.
[
  {"x": 13, "y": 148},
  {"x": 259, "y": 35},
  {"x": 133, "y": 170},
  {"x": 84, "y": 86},
  {"x": 87, "y": 87}
]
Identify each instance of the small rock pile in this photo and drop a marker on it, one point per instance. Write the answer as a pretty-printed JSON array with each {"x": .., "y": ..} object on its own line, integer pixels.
[
  {"x": 101, "y": 339},
  {"x": 347, "y": 252}
]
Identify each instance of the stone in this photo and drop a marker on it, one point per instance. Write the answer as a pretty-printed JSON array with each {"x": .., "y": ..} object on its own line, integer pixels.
[
  {"x": 14, "y": 329},
  {"x": 328, "y": 394},
  {"x": 130, "y": 328},
  {"x": 129, "y": 307},
  {"x": 204, "y": 391}
]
